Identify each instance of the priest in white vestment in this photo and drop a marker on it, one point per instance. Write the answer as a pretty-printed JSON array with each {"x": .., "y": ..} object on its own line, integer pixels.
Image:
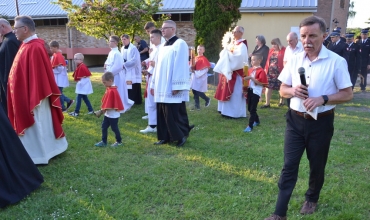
[
  {"x": 170, "y": 86},
  {"x": 229, "y": 93},
  {"x": 114, "y": 65},
  {"x": 132, "y": 66}
]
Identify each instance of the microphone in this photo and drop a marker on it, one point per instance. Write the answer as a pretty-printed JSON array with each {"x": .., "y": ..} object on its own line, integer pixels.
[{"x": 301, "y": 72}]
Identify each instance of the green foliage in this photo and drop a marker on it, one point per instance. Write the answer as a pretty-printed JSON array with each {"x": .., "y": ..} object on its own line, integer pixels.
[
  {"x": 212, "y": 18},
  {"x": 221, "y": 173},
  {"x": 101, "y": 19}
]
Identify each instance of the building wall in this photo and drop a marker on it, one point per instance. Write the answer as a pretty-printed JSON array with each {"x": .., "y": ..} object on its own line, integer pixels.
[
  {"x": 332, "y": 9},
  {"x": 270, "y": 25}
]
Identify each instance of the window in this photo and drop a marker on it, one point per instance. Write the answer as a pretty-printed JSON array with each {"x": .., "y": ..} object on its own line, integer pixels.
[
  {"x": 176, "y": 17},
  {"x": 52, "y": 22},
  {"x": 341, "y": 3}
]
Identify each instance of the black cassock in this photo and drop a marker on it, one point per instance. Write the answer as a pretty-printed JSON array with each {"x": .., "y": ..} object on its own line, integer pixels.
[
  {"x": 19, "y": 176},
  {"x": 8, "y": 49}
]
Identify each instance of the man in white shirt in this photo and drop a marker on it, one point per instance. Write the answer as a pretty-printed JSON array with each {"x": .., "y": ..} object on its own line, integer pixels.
[
  {"x": 328, "y": 83},
  {"x": 294, "y": 47},
  {"x": 170, "y": 86}
]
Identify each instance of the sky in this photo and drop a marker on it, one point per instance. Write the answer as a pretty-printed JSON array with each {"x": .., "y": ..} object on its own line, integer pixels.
[{"x": 362, "y": 14}]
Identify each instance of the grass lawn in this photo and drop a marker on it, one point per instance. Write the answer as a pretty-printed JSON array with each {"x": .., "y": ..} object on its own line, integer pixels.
[{"x": 220, "y": 173}]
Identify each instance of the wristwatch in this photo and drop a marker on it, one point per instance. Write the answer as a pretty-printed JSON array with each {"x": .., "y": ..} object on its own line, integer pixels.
[{"x": 326, "y": 99}]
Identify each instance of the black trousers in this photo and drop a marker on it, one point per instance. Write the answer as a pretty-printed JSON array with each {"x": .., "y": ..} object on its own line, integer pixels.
[
  {"x": 252, "y": 101},
  {"x": 353, "y": 75},
  {"x": 198, "y": 94},
  {"x": 135, "y": 93},
  {"x": 363, "y": 78},
  {"x": 113, "y": 123},
  {"x": 301, "y": 134},
  {"x": 172, "y": 121},
  {"x": 3, "y": 98}
]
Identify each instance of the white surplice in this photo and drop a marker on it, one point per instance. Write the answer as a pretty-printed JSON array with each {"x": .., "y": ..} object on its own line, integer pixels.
[
  {"x": 114, "y": 64},
  {"x": 172, "y": 73},
  {"x": 199, "y": 80},
  {"x": 150, "y": 105},
  {"x": 132, "y": 65}
]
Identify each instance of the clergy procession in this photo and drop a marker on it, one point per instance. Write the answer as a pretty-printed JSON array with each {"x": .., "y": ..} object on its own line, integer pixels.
[{"x": 34, "y": 106}]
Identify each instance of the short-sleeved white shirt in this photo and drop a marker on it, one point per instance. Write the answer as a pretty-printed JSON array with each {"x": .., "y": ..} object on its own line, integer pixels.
[
  {"x": 289, "y": 52},
  {"x": 324, "y": 76}
]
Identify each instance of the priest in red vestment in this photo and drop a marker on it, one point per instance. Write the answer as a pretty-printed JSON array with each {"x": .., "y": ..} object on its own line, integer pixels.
[
  {"x": 34, "y": 108},
  {"x": 229, "y": 93}
]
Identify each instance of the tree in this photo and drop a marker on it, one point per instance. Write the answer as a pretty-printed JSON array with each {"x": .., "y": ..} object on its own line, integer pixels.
[
  {"x": 212, "y": 19},
  {"x": 103, "y": 18},
  {"x": 351, "y": 12}
]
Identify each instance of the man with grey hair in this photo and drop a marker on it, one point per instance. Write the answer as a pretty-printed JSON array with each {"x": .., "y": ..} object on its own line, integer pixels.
[
  {"x": 8, "y": 49},
  {"x": 229, "y": 93},
  {"x": 34, "y": 108},
  {"x": 294, "y": 46},
  {"x": 310, "y": 120},
  {"x": 170, "y": 87}
]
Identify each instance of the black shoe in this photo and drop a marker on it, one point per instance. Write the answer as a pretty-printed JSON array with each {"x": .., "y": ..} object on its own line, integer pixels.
[
  {"x": 181, "y": 142},
  {"x": 191, "y": 127},
  {"x": 208, "y": 102},
  {"x": 69, "y": 104},
  {"x": 265, "y": 106},
  {"x": 161, "y": 142}
]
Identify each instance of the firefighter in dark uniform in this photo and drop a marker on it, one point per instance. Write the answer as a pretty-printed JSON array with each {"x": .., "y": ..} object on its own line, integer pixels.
[
  {"x": 337, "y": 46},
  {"x": 364, "y": 44},
  {"x": 354, "y": 59}
]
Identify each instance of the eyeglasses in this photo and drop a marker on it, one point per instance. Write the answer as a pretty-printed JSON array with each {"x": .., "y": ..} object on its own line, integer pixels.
[
  {"x": 76, "y": 59},
  {"x": 235, "y": 32},
  {"x": 16, "y": 28},
  {"x": 164, "y": 28}
]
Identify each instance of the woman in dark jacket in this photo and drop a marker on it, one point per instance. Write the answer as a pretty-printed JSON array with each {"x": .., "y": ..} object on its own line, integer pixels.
[{"x": 261, "y": 49}]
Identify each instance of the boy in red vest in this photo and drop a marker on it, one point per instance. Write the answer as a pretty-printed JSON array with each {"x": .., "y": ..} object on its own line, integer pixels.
[
  {"x": 111, "y": 107},
  {"x": 257, "y": 79}
]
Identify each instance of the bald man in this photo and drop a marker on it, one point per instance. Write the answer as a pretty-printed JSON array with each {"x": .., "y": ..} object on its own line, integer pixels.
[{"x": 8, "y": 49}]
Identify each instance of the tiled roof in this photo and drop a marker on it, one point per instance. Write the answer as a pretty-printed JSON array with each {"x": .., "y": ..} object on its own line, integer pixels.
[{"x": 45, "y": 8}]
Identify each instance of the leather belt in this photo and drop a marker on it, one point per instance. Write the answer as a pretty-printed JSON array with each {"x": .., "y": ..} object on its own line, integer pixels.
[{"x": 322, "y": 114}]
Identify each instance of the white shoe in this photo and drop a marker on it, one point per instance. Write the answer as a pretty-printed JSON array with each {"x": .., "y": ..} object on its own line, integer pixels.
[
  {"x": 148, "y": 130},
  {"x": 144, "y": 117}
]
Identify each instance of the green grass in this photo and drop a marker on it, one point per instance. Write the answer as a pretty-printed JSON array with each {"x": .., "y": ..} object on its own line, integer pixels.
[{"x": 220, "y": 173}]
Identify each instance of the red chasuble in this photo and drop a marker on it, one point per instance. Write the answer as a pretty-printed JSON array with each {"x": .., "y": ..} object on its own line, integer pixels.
[
  {"x": 81, "y": 72},
  {"x": 111, "y": 99},
  {"x": 58, "y": 60},
  {"x": 31, "y": 80},
  {"x": 201, "y": 62}
]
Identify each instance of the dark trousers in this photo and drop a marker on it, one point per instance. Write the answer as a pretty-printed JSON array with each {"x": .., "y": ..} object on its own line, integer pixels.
[
  {"x": 353, "y": 75},
  {"x": 86, "y": 100},
  {"x": 252, "y": 101},
  {"x": 172, "y": 121},
  {"x": 301, "y": 134},
  {"x": 63, "y": 98},
  {"x": 3, "y": 98},
  {"x": 363, "y": 78},
  {"x": 198, "y": 94},
  {"x": 135, "y": 93},
  {"x": 113, "y": 123}
]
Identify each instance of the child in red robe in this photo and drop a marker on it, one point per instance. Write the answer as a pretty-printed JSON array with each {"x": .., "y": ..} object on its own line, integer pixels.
[
  {"x": 83, "y": 86},
  {"x": 111, "y": 107},
  {"x": 199, "y": 78},
  {"x": 257, "y": 79},
  {"x": 60, "y": 73}
]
